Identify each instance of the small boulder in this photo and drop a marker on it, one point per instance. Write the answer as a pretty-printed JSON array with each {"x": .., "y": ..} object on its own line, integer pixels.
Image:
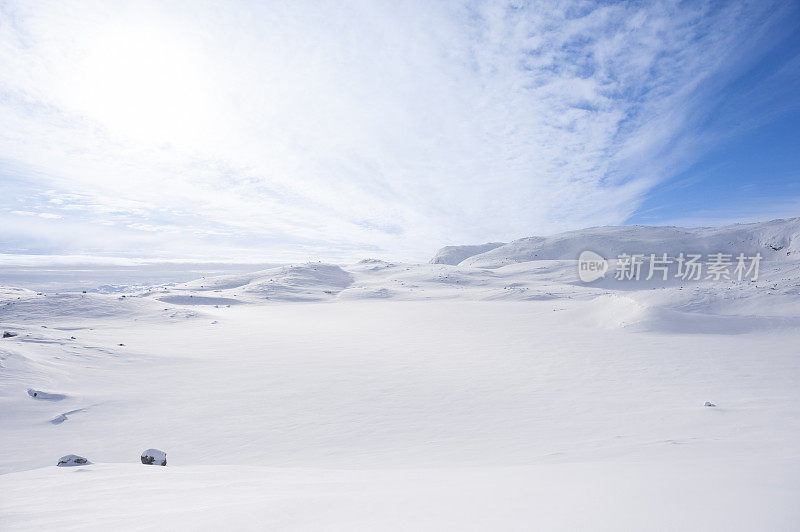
[
  {"x": 7, "y": 334},
  {"x": 709, "y": 403},
  {"x": 154, "y": 457},
  {"x": 72, "y": 460}
]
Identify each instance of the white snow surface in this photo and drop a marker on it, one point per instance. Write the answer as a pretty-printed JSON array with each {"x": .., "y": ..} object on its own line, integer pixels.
[{"x": 381, "y": 395}]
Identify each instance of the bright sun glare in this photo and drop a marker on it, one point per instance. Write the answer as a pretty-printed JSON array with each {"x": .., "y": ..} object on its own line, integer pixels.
[{"x": 142, "y": 85}]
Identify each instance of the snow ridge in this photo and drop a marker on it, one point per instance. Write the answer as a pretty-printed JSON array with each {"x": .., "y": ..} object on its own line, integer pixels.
[
  {"x": 454, "y": 254},
  {"x": 775, "y": 240}
]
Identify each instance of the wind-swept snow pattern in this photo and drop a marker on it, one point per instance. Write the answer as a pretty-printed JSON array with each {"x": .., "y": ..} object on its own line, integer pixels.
[{"x": 499, "y": 393}]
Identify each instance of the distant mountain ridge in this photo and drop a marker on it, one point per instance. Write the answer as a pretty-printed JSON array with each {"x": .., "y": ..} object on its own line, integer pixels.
[{"x": 775, "y": 240}]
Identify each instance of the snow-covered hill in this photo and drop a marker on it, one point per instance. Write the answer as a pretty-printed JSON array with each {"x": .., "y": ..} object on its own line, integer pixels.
[
  {"x": 455, "y": 254},
  {"x": 313, "y": 281},
  {"x": 775, "y": 240}
]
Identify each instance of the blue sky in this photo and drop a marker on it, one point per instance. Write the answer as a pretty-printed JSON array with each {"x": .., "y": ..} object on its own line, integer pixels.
[
  {"x": 753, "y": 171},
  {"x": 305, "y": 130}
]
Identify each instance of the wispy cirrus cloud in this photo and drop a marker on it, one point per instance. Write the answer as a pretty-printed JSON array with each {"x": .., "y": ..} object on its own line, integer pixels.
[{"x": 336, "y": 130}]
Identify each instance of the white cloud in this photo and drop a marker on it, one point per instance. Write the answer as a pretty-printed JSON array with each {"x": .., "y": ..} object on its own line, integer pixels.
[
  {"x": 47, "y": 215},
  {"x": 339, "y": 129}
]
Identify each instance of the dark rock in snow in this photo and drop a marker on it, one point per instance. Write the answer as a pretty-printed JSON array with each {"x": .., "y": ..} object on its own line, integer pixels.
[
  {"x": 154, "y": 457},
  {"x": 7, "y": 334},
  {"x": 72, "y": 460}
]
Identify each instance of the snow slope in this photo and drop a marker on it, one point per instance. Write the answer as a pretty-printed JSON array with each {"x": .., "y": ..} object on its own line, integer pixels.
[
  {"x": 775, "y": 240},
  {"x": 301, "y": 282},
  {"x": 614, "y": 496},
  {"x": 382, "y": 395},
  {"x": 455, "y": 254}
]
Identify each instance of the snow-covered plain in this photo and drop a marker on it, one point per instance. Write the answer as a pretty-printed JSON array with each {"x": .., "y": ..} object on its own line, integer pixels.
[{"x": 498, "y": 393}]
